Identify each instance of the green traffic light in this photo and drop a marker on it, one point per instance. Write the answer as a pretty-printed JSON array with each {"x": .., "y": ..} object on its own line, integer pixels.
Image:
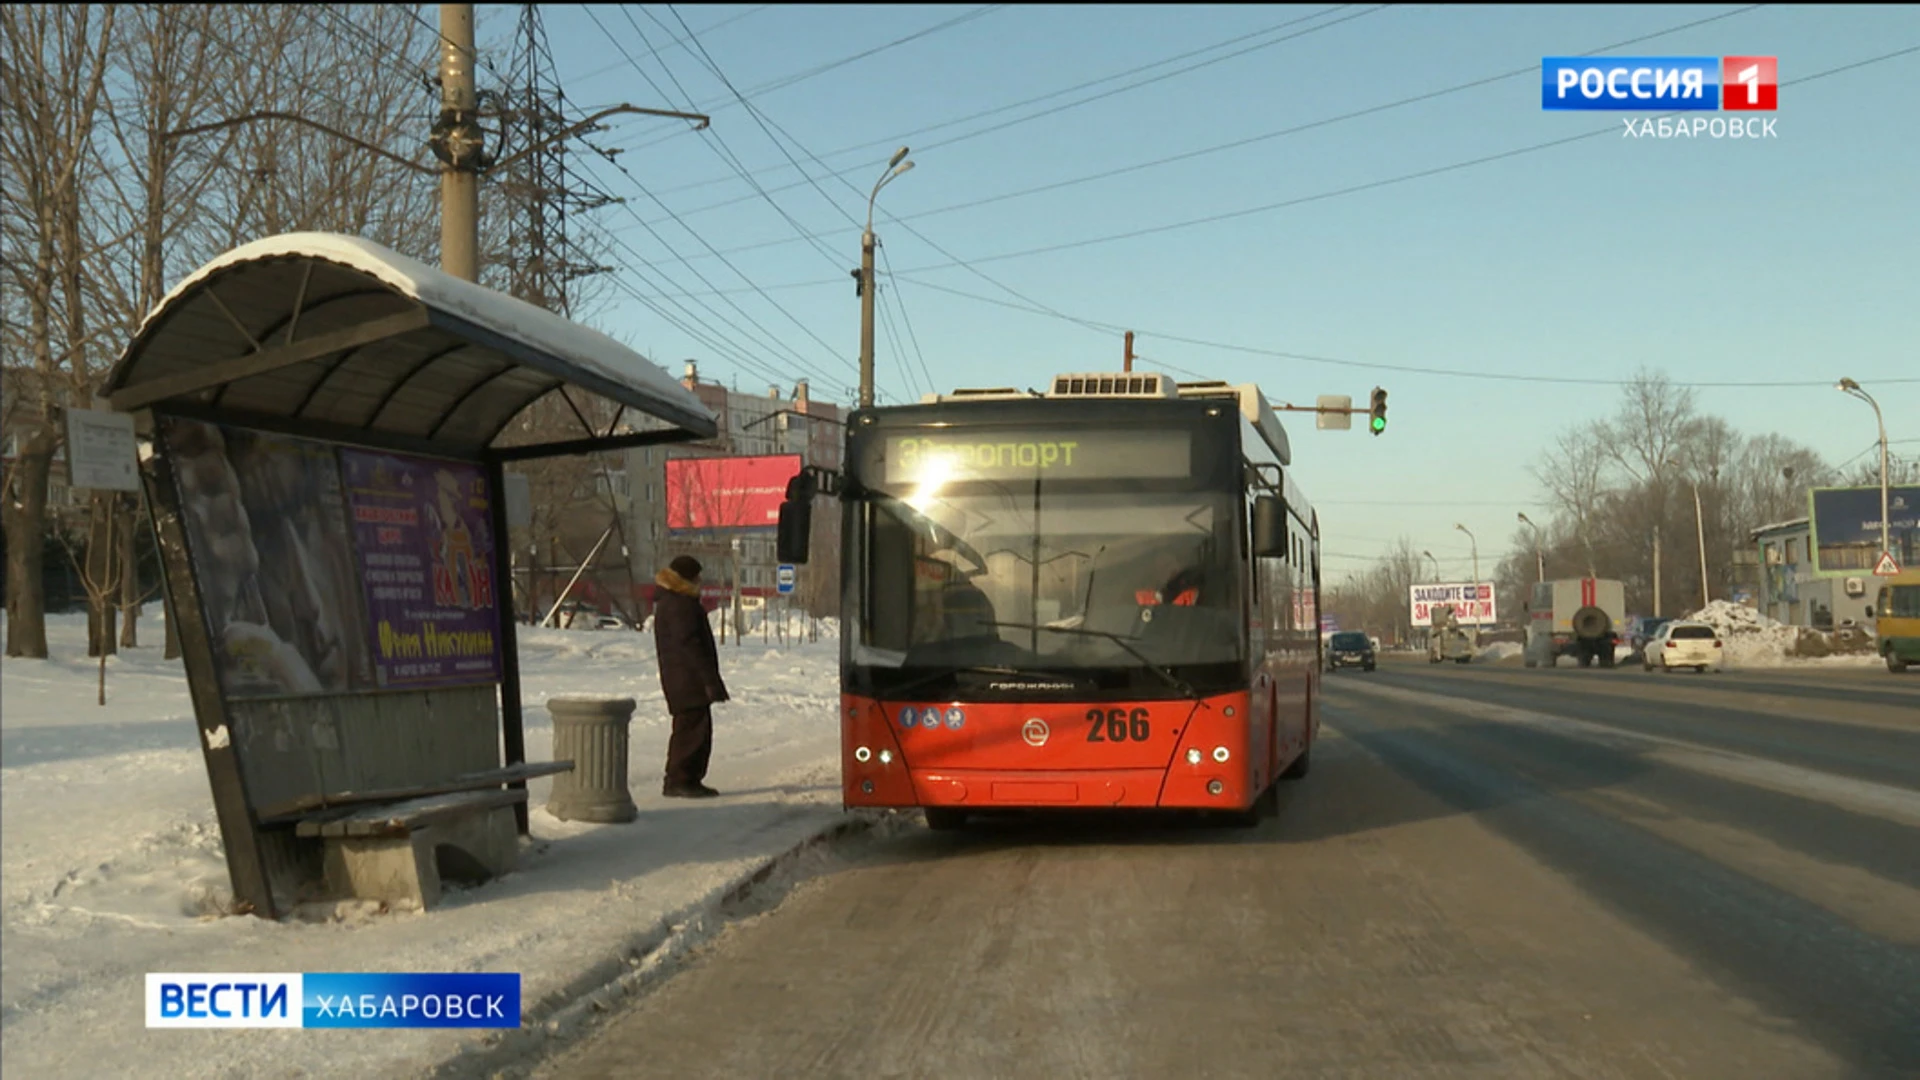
[{"x": 1379, "y": 424}]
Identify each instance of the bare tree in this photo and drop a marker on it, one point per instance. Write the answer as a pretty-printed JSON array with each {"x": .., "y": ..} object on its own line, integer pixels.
[
  {"x": 346, "y": 69},
  {"x": 169, "y": 74},
  {"x": 57, "y": 60}
]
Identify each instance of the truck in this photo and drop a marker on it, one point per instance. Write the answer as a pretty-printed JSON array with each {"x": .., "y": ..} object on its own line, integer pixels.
[
  {"x": 1584, "y": 618},
  {"x": 1447, "y": 640}
]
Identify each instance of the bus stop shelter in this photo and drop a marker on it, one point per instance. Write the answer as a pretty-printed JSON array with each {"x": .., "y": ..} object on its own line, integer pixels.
[{"x": 320, "y": 424}]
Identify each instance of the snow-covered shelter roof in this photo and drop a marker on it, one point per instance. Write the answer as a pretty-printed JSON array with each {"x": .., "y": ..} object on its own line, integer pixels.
[{"x": 340, "y": 337}]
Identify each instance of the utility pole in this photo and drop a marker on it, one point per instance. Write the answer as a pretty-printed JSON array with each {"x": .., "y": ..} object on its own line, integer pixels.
[
  {"x": 457, "y": 141},
  {"x": 866, "y": 318},
  {"x": 1126, "y": 362},
  {"x": 1656, "y": 569},
  {"x": 1700, "y": 532}
]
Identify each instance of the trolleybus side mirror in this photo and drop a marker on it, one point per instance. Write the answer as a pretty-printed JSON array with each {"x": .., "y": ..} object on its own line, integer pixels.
[
  {"x": 1270, "y": 526},
  {"x": 796, "y": 520},
  {"x": 796, "y": 527}
]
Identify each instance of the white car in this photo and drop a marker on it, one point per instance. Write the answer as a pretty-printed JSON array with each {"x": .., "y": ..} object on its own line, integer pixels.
[{"x": 1686, "y": 644}]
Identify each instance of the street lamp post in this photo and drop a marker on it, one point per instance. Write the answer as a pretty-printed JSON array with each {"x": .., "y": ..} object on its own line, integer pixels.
[
  {"x": 1476, "y": 576},
  {"x": 1436, "y": 566},
  {"x": 1851, "y": 387},
  {"x": 895, "y": 167},
  {"x": 1539, "y": 559}
]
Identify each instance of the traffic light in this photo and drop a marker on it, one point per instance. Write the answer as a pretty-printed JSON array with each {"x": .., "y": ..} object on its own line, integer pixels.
[{"x": 1378, "y": 423}]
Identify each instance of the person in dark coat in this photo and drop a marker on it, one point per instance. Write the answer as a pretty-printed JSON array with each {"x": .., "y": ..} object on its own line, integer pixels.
[{"x": 689, "y": 676}]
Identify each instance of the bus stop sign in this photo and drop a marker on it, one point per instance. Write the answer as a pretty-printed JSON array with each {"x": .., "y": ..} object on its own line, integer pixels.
[{"x": 785, "y": 578}]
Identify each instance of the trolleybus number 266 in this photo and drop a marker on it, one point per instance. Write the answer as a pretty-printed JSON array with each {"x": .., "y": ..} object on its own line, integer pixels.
[{"x": 1118, "y": 725}]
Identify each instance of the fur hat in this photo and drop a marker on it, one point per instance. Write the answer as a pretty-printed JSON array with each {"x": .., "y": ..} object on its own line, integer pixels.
[{"x": 686, "y": 566}]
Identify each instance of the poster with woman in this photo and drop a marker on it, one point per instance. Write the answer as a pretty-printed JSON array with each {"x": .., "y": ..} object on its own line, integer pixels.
[
  {"x": 267, "y": 535},
  {"x": 424, "y": 532}
]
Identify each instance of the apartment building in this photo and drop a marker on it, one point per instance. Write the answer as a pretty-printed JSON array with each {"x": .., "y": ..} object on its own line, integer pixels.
[{"x": 775, "y": 422}]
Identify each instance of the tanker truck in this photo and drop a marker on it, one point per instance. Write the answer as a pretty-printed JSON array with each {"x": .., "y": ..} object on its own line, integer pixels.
[
  {"x": 1584, "y": 618},
  {"x": 1447, "y": 640}
]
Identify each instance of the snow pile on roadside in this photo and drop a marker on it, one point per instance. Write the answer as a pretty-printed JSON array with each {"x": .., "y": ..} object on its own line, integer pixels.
[
  {"x": 1497, "y": 652},
  {"x": 1754, "y": 639},
  {"x": 112, "y": 864}
]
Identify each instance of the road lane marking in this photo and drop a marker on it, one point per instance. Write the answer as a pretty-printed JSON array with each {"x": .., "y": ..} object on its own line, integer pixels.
[
  {"x": 1873, "y": 904},
  {"x": 1732, "y": 693},
  {"x": 1901, "y": 805}
]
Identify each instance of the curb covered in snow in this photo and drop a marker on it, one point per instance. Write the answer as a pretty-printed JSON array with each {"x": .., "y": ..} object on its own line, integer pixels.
[{"x": 654, "y": 955}]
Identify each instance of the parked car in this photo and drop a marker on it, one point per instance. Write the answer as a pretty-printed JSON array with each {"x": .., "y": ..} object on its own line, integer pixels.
[
  {"x": 610, "y": 622},
  {"x": 1350, "y": 648},
  {"x": 1686, "y": 644}
]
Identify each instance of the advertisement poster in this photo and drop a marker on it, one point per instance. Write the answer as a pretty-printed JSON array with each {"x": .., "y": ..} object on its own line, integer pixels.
[
  {"x": 425, "y": 536},
  {"x": 728, "y": 492},
  {"x": 1846, "y": 527},
  {"x": 267, "y": 535},
  {"x": 1473, "y": 605}
]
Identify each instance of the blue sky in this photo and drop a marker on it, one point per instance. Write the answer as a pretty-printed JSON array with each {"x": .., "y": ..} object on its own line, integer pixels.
[{"x": 1736, "y": 263}]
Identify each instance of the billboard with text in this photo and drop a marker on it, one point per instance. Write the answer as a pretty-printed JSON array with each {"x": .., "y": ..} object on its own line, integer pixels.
[
  {"x": 1846, "y": 527},
  {"x": 728, "y": 492},
  {"x": 1472, "y": 604}
]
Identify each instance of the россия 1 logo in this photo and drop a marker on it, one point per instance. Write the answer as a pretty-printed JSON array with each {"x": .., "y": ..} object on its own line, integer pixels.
[{"x": 1658, "y": 84}]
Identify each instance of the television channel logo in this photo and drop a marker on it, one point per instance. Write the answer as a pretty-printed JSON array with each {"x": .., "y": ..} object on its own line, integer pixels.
[
  {"x": 333, "y": 1000},
  {"x": 1660, "y": 83}
]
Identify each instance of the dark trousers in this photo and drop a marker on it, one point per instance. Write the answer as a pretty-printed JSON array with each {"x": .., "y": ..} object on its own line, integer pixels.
[{"x": 690, "y": 746}]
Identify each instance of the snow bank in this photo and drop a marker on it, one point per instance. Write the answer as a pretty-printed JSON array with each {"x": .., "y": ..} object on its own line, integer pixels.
[
  {"x": 1754, "y": 639},
  {"x": 112, "y": 867},
  {"x": 1497, "y": 652}
]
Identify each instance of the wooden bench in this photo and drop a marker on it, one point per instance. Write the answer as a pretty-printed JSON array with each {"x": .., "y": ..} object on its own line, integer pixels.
[{"x": 397, "y": 845}]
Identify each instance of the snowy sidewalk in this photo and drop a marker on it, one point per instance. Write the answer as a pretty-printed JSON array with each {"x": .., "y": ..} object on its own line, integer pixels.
[{"x": 111, "y": 864}]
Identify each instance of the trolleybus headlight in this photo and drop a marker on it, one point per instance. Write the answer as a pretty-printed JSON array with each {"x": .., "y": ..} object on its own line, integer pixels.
[
  {"x": 886, "y": 757},
  {"x": 1215, "y": 787},
  {"x": 1221, "y": 754},
  {"x": 1193, "y": 755},
  {"x": 862, "y": 754},
  {"x": 1229, "y": 710}
]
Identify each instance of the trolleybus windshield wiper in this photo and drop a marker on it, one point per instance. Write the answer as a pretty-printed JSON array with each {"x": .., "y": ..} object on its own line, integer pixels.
[{"x": 1170, "y": 678}]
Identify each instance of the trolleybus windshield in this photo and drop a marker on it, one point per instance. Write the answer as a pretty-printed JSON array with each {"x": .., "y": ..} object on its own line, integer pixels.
[{"x": 1017, "y": 558}]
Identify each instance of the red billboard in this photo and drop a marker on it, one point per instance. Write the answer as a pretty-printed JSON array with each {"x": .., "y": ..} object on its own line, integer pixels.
[{"x": 728, "y": 492}]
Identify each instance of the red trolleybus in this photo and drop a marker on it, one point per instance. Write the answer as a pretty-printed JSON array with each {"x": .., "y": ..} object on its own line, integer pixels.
[{"x": 1104, "y": 595}]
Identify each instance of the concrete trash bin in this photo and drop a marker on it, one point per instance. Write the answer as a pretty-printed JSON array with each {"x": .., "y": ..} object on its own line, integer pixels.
[{"x": 591, "y": 732}]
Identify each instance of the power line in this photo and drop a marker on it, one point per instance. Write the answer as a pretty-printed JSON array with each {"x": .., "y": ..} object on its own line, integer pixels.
[
  {"x": 894, "y": 140},
  {"x": 1279, "y": 354},
  {"x": 1347, "y": 190},
  {"x": 778, "y": 345},
  {"x": 701, "y": 53},
  {"x": 768, "y": 127},
  {"x": 898, "y": 346},
  {"x": 887, "y": 267},
  {"x": 1115, "y": 328},
  {"x": 708, "y": 335},
  {"x": 597, "y": 72},
  {"x": 1002, "y": 126},
  {"x": 720, "y": 103},
  {"x": 1235, "y": 144},
  {"x": 689, "y": 229}
]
